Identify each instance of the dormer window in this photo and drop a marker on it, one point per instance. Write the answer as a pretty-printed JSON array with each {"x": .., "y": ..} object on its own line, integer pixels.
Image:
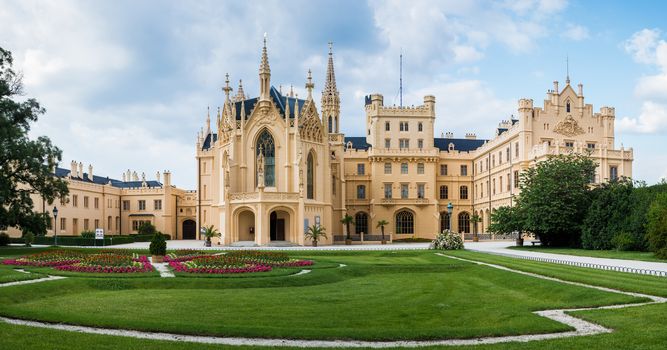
[{"x": 450, "y": 147}]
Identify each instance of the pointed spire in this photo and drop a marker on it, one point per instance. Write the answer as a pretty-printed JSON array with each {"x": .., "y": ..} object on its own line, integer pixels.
[
  {"x": 227, "y": 89},
  {"x": 296, "y": 107},
  {"x": 291, "y": 91},
  {"x": 330, "y": 84},
  {"x": 240, "y": 94},
  {"x": 264, "y": 75},
  {"x": 330, "y": 97},
  {"x": 217, "y": 124},
  {"x": 567, "y": 70},
  {"x": 287, "y": 110},
  {"x": 208, "y": 120},
  {"x": 310, "y": 85}
]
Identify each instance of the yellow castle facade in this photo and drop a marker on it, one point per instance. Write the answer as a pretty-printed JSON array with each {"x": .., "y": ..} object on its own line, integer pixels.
[{"x": 270, "y": 166}]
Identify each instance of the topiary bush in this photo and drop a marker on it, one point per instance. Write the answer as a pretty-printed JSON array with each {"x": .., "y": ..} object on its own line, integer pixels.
[
  {"x": 657, "y": 226},
  {"x": 88, "y": 234},
  {"x": 158, "y": 245},
  {"x": 28, "y": 238},
  {"x": 447, "y": 240},
  {"x": 4, "y": 239}
]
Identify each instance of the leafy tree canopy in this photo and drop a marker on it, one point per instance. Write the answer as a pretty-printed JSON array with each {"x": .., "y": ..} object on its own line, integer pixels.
[{"x": 25, "y": 165}]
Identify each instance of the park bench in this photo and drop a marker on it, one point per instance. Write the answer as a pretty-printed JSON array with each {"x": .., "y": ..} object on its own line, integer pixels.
[{"x": 535, "y": 242}]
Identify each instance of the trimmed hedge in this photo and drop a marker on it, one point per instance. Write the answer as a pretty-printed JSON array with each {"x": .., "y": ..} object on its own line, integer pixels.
[{"x": 80, "y": 241}]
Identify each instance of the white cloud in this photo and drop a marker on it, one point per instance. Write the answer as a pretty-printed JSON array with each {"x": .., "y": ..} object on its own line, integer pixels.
[
  {"x": 576, "y": 32},
  {"x": 653, "y": 118},
  {"x": 642, "y": 45}
]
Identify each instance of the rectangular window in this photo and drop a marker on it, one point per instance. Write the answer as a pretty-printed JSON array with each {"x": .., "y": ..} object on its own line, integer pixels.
[
  {"x": 96, "y": 202},
  {"x": 516, "y": 179},
  {"x": 591, "y": 146},
  {"x": 500, "y": 157},
  {"x": 443, "y": 169},
  {"x": 142, "y": 205},
  {"x": 493, "y": 161},
  {"x": 137, "y": 223},
  {"x": 420, "y": 168},
  {"x": 85, "y": 224},
  {"x": 387, "y": 191},
  {"x": 361, "y": 192},
  {"x": 387, "y": 143},
  {"x": 508, "y": 183},
  {"x": 404, "y": 143},
  {"x": 464, "y": 170},
  {"x": 420, "y": 191},
  {"x": 75, "y": 225},
  {"x": 463, "y": 192},
  {"x": 386, "y": 126},
  {"x": 404, "y": 168},
  {"x": 97, "y": 223},
  {"x": 85, "y": 201},
  {"x": 126, "y": 205},
  {"x": 444, "y": 192},
  {"x": 404, "y": 191},
  {"x": 569, "y": 144},
  {"x": 387, "y": 168},
  {"x": 75, "y": 200},
  {"x": 361, "y": 169},
  {"x": 613, "y": 173},
  {"x": 516, "y": 150},
  {"x": 157, "y": 204},
  {"x": 420, "y": 144},
  {"x": 63, "y": 224},
  {"x": 507, "y": 154},
  {"x": 500, "y": 182},
  {"x": 494, "y": 186}
]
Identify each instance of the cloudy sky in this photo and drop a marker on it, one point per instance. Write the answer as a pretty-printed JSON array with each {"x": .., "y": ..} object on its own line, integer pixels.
[{"x": 126, "y": 84}]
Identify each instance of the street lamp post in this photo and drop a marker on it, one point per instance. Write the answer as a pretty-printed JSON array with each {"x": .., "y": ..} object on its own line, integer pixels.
[
  {"x": 450, "y": 209},
  {"x": 55, "y": 225}
]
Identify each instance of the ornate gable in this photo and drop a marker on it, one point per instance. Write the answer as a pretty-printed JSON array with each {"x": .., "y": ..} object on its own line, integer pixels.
[{"x": 310, "y": 126}]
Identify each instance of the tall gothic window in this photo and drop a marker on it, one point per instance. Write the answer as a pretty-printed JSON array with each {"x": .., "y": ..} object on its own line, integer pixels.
[
  {"x": 267, "y": 147},
  {"x": 405, "y": 222},
  {"x": 310, "y": 170},
  {"x": 361, "y": 223},
  {"x": 330, "y": 125},
  {"x": 567, "y": 107},
  {"x": 464, "y": 222}
]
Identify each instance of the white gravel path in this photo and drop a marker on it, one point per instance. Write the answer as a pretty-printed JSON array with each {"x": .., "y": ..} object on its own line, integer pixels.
[
  {"x": 162, "y": 268},
  {"x": 37, "y": 280},
  {"x": 582, "y": 327}
]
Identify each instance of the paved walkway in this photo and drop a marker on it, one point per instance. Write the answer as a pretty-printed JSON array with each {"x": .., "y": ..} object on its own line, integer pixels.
[
  {"x": 199, "y": 245},
  {"x": 636, "y": 266}
]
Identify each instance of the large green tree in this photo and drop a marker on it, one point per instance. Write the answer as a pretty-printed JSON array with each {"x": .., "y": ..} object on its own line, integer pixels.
[
  {"x": 657, "y": 225},
  {"x": 555, "y": 196},
  {"x": 607, "y": 217},
  {"x": 25, "y": 165},
  {"x": 506, "y": 220}
]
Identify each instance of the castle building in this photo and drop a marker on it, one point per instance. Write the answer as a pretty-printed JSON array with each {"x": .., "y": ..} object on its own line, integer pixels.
[
  {"x": 269, "y": 167},
  {"x": 273, "y": 165}
]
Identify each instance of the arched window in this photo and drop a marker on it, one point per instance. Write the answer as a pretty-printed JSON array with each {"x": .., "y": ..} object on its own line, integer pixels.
[
  {"x": 266, "y": 146},
  {"x": 361, "y": 223},
  {"x": 386, "y": 126},
  {"x": 336, "y": 123},
  {"x": 444, "y": 192},
  {"x": 463, "y": 192},
  {"x": 310, "y": 170},
  {"x": 567, "y": 107},
  {"x": 464, "y": 222},
  {"x": 405, "y": 222},
  {"x": 420, "y": 127},
  {"x": 330, "y": 124},
  {"x": 444, "y": 221}
]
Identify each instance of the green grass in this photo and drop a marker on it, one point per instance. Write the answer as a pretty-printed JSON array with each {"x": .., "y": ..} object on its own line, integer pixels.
[
  {"x": 8, "y": 274},
  {"x": 609, "y": 254},
  {"x": 378, "y": 296}
]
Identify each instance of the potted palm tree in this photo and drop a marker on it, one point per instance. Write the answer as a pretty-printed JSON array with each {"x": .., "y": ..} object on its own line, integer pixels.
[
  {"x": 210, "y": 232},
  {"x": 347, "y": 220},
  {"x": 381, "y": 224},
  {"x": 475, "y": 219},
  {"x": 316, "y": 232}
]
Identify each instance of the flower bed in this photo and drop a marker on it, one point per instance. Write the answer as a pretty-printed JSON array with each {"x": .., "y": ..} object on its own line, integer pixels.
[
  {"x": 105, "y": 262},
  {"x": 183, "y": 255},
  {"x": 234, "y": 262},
  {"x": 274, "y": 259}
]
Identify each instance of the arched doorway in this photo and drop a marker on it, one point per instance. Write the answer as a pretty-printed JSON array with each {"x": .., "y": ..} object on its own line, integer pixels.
[
  {"x": 279, "y": 224},
  {"x": 246, "y": 226},
  {"x": 189, "y": 229}
]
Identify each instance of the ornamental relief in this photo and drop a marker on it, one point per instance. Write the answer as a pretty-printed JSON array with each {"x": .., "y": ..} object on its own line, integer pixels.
[
  {"x": 310, "y": 127},
  {"x": 568, "y": 127}
]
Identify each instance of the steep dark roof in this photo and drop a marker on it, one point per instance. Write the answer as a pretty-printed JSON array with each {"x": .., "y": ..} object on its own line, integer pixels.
[
  {"x": 207, "y": 142},
  {"x": 358, "y": 143},
  {"x": 463, "y": 145},
  {"x": 61, "y": 172},
  {"x": 276, "y": 97},
  {"x": 501, "y": 130}
]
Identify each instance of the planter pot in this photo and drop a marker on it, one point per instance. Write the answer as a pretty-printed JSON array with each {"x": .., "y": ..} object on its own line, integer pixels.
[
  {"x": 348, "y": 242},
  {"x": 314, "y": 243},
  {"x": 158, "y": 258},
  {"x": 384, "y": 242},
  {"x": 519, "y": 242},
  {"x": 207, "y": 243},
  {"x": 475, "y": 239}
]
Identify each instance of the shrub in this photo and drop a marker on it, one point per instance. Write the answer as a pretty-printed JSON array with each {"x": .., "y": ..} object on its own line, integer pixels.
[
  {"x": 28, "y": 238},
  {"x": 608, "y": 216},
  {"x": 88, "y": 234},
  {"x": 147, "y": 229},
  {"x": 4, "y": 239},
  {"x": 657, "y": 226},
  {"x": 624, "y": 241},
  {"x": 447, "y": 240},
  {"x": 158, "y": 244}
]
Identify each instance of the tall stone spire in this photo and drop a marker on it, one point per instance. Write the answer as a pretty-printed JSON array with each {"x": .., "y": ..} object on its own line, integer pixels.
[
  {"x": 227, "y": 89},
  {"x": 310, "y": 85},
  {"x": 330, "y": 96},
  {"x": 264, "y": 75}
]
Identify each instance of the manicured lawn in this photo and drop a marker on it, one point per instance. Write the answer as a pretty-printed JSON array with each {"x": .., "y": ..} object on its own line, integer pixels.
[
  {"x": 609, "y": 254},
  {"x": 379, "y": 295},
  {"x": 8, "y": 274}
]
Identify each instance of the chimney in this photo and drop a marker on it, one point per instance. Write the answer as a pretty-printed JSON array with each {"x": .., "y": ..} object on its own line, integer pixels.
[
  {"x": 167, "y": 178},
  {"x": 123, "y": 177},
  {"x": 556, "y": 86},
  {"x": 80, "y": 173},
  {"x": 72, "y": 169},
  {"x": 90, "y": 172},
  {"x": 471, "y": 136},
  {"x": 128, "y": 176},
  {"x": 449, "y": 135},
  {"x": 157, "y": 176}
]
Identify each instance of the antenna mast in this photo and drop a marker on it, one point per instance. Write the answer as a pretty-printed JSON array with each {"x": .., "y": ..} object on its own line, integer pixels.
[{"x": 400, "y": 84}]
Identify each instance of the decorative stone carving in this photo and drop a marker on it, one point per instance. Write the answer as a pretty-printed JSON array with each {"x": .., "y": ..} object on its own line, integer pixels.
[{"x": 568, "y": 127}]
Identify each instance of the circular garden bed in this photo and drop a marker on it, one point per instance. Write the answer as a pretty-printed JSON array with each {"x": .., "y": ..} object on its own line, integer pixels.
[
  {"x": 87, "y": 262},
  {"x": 242, "y": 261}
]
